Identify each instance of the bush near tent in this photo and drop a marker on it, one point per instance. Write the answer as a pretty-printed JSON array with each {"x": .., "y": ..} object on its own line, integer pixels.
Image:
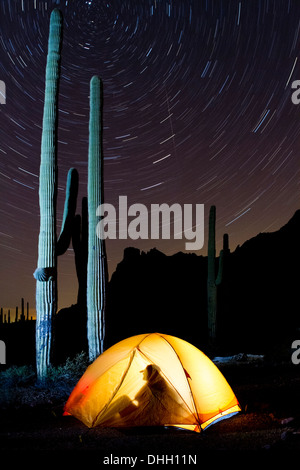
[{"x": 152, "y": 380}]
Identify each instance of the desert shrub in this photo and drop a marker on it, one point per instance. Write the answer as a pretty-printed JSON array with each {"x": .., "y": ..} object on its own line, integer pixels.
[
  {"x": 64, "y": 377},
  {"x": 18, "y": 385},
  {"x": 16, "y": 376}
]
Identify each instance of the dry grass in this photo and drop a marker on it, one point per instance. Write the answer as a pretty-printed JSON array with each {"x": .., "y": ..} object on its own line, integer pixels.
[{"x": 19, "y": 386}]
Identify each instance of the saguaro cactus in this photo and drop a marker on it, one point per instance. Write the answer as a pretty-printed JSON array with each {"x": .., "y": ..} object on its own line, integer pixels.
[
  {"x": 212, "y": 280},
  {"x": 46, "y": 287},
  {"x": 49, "y": 248},
  {"x": 22, "y": 310},
  {"x": 97, "y": 262},
  {"x": 226, "y": 248}
]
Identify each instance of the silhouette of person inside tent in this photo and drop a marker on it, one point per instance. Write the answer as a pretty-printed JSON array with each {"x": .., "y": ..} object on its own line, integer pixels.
[{"x": 156, "y": 403}]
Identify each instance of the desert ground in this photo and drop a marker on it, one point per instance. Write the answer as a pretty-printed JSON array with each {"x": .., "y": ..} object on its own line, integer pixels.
[{"x": 268, "y": 426}]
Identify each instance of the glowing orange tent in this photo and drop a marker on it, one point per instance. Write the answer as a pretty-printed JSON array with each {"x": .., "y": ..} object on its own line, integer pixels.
[{"x": 151, "y": 380}]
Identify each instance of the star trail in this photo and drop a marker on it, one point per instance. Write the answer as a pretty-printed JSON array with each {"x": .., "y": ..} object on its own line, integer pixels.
[{"x": 197, "y": 109}]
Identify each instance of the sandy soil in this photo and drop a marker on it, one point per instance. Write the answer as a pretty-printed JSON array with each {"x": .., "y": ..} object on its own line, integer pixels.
[{"x": 268, "y": 426}]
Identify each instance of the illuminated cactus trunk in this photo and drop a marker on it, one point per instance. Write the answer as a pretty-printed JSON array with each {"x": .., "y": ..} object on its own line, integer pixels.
[
  {"x": 212, "y": 281},
  {"x": 46, "y": 289},
  {"x": 97, "y": 263}
]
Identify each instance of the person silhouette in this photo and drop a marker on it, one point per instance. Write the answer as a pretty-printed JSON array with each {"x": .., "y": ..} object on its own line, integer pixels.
[{"x": 156, "y": 403}]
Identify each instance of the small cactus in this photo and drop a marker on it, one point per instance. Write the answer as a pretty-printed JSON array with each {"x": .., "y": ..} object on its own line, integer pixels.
[
  {"x": 64, "y": 238},
  {"x": 226, "y": 248}
]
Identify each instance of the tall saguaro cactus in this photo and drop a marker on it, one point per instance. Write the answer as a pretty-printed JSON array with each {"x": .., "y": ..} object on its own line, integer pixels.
[
  {"x": 212, "y": 281},
  {"x": 97, "y": 262},
  {"x": 49, "y": 248},
  {"x": 46, "y": 290}
]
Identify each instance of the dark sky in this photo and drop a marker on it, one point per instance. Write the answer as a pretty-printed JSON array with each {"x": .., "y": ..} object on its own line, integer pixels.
[{"x": 197, "y": 109}]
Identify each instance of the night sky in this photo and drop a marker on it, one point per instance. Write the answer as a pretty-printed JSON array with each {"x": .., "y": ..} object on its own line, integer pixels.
[{"x": 197, "y": 109}]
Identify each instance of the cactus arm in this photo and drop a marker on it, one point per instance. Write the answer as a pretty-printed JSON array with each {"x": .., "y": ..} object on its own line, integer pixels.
[
  {"x": 63, "y": 241},
  {"x": 80, "y": 247}
]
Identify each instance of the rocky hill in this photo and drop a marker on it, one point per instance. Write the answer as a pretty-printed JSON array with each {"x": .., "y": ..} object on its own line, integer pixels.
[{"x": 258, "y": 301}]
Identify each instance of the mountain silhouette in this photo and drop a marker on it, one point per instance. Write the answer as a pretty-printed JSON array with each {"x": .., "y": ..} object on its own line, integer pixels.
[{"x": 258, "y": 300}]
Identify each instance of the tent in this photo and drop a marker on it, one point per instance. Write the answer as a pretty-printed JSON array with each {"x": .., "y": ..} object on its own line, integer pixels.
[{"x": 151, "y": 380}]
